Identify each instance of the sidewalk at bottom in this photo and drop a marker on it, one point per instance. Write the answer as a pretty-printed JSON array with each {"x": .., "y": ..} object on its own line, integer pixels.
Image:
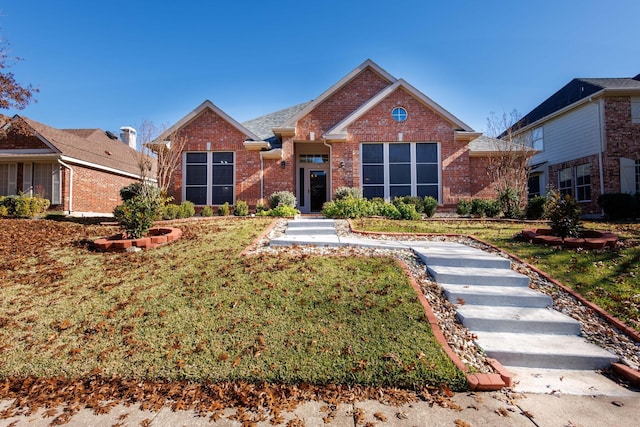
[{"x": 475, "y": 409}]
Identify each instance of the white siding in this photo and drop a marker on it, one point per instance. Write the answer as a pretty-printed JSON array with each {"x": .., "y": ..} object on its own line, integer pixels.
[{"x": 571, "y": 136}]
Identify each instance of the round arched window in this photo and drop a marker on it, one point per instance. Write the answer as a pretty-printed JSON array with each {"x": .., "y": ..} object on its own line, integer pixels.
[{"x": 399, "y": 114}]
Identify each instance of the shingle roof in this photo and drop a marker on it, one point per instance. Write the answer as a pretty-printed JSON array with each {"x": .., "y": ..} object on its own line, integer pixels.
[
  {"x": 89, "y": 145},
  {"x": 575, "y": 90},
  {"x": 262, "y": 126}
]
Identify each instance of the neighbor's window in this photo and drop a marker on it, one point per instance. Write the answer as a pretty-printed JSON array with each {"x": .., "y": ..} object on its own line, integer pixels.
[
  {"x": 635, "y": 109},
  {"x": 400, "y": 169},
  {"x": 209, "y": 178},
  {"x": 565, "y": 181},
  {"x": 4, "y": 180},
  {"x": 46, "y": 181},
  {"x": 583, "y": 182},
  {"x": 533, "y": 186},
  {"x": 537, "y": 140}
]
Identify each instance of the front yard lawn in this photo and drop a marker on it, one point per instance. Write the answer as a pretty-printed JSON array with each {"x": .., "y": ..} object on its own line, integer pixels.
[
  {"x": 196, "y": 310},
  {"x": 608, "y": 278}
]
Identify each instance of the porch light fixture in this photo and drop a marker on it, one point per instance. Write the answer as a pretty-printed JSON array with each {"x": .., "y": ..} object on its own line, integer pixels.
[{"x": 283, "y": 164}]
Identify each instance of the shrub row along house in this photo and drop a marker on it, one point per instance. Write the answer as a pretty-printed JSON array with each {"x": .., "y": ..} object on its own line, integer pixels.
[
  {"x": 587, "y": 137},
  {"x": 81, "y": 171},
  {"x": 369, "y": 130}
]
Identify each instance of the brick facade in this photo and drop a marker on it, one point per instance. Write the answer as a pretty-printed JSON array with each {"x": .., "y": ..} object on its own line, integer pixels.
[
  {"x": 586, "y": 206},
  {"x": 93, "y": 190}
]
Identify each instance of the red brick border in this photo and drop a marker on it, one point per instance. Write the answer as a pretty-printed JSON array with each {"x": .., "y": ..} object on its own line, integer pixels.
[
  {"x": 255, "y": 242},
  {"x": 157, "y": 236}
]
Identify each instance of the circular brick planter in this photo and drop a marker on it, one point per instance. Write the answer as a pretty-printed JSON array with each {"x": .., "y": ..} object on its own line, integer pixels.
[
  {"x": 157, "y": 236},
  {"x": 589, "y": 239}
]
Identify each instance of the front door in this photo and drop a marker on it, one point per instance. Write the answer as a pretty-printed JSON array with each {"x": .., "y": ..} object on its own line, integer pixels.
[{"x": 318, "y": 189}]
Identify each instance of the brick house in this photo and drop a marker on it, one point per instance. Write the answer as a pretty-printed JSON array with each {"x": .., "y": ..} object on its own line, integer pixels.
[
  {"x": 588, "y": 137},
  {"x": 369, "y": 130},
  {"x": 81, "y": 171}
]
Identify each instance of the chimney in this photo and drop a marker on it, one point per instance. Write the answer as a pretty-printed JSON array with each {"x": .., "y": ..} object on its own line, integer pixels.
[{"x": 128, "y": 136}]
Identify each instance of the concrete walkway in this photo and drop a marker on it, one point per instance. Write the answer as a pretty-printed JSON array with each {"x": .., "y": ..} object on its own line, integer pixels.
[{"x": 513, "y": 323}]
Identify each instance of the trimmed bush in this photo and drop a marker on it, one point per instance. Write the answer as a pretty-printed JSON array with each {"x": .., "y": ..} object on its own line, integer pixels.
[
  {"x": 347, "y": 208},
  {"x": 286, "y": 211},
  {"x": 224, "y": 209},
  {"x": 241, "y": 208},
  {"x": 430, "y": 206},
  {"x": 564, "y": 214},
  {"x": 260, "y": 207},
  {"x": 344, "y": 192},
  {"x": 509, "y": 203},
  {"x": 535, "y": 208},
  {"x": 418, "y": 202},
  {"x": 23, "y": 206},
  {"x": 407, "y": 211},
  {"x": 140, "y": 209},
  {"x": 463, "y": 207},
  {"x": 282, "y": 198},
  {"x": 620, "y": 205},
  {"x": 186, "y": 210},
  {"x": 169, "y": 211},
  {"x": 207, "y": 211}
]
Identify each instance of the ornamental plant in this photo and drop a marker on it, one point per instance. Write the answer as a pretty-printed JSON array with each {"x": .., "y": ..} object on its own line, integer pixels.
[
  {"x": 564, "y": 213},
  {"x": 140, "y": 207}
]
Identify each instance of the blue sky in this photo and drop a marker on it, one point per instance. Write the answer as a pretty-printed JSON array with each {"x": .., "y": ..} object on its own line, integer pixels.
[{"x": 113, "y": 63}]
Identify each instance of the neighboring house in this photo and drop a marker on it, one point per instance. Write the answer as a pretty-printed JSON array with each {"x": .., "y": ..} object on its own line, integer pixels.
[
  {"x": 81, "y": 171},
  {"x": 588, "y": 137},
  {"x": 369, "y": 130}
]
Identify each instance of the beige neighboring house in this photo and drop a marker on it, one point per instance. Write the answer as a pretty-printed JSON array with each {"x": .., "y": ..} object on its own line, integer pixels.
[{"x": 81, "y": 171}]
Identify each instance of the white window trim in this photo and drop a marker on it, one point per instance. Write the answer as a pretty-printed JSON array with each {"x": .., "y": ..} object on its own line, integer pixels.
[
  {"x": 635, "y": 109},
  {"x": 575, "y": 176},
  {"x": 209, "y": 175},
  {"x": 385, "y": 165}
]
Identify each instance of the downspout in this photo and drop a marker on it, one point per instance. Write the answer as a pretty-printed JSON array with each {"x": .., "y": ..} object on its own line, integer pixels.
[
  {"x": 261, "y": 179},
  {"x": 324, "y": 141},
  {"x": 602, "y": 136},
  {"x": 70, "y": 185}
]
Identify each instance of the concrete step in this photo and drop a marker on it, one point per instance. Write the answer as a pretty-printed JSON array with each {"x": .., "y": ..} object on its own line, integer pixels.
[
  {"x": 306, "y": 240},
  {"x": 309, "y": 230},
  {"x": 477, "y": 276},
  {"x": 517, "y": 320},
  {"x": 311, "y": 223},
  {"x": 513, "y": 296},
  {"x": 461, "y": 256},
  {"x": 544, "y": 351}
]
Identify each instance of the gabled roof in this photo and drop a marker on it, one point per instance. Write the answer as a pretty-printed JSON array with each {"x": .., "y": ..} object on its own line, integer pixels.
[
  {"x": 333, "y": 89},
  {"x": 339, "y": 131},
  {"x": 263, "y": 126},
  {"x": 88, "y": 146},
  {"x": 206, "y": 105},
  {"x": 577, "y": 90}
]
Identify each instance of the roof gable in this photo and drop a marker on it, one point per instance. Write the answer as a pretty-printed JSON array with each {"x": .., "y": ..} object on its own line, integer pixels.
[
  {"x": 339, "y": 131},
  {"x": 207, "y": 105},
  {"x": 368, "y": 64}
]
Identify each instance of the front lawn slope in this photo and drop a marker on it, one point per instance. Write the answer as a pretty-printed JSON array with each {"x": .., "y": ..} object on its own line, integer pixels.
[{"x": 195, "y": 310}]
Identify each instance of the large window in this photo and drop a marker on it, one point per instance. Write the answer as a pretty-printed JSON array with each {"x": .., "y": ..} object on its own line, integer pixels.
[
  {"x": 400, "y": 169},
  {"x": 46, "y": 181},
  {"x": 583, "y": 182},
  {"x": 4, "y": 179},
  {"x": 533, "y": 186},
  {"x": 635, "y": 109},
  {"x": 565, "y": 181},
  {"x": 209, "y": 178}
]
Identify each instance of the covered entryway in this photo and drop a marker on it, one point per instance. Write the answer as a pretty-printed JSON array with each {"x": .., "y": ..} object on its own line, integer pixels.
[{"x": 313, "y": 176}]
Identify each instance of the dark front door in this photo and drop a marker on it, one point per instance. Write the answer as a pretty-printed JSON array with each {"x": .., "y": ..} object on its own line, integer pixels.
[{"x": 318, "y": 187}]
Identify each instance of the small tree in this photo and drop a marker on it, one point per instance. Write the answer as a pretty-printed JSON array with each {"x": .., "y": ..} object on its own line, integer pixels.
[
  {"x": 564, "y": 213},
  {"x": 508, "y": 164},
  {"x": 140, "y": 207}
]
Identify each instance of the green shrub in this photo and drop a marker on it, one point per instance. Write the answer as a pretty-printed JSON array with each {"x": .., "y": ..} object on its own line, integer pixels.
[
  {"x": 478, "y": 207},
  {"x": 492, "y": 208},
  {"x": 463, "y": 207},
  {"x": 282, "y": 198},
  {"x": 260, "y": 207},
  {"x": 430, "y": 206},
  {"x": 169, "y": 211},
  {"x": 619, "y": 205},
  {"x": 407, "y": 211},
  {"x": 224, "y": 209},
  {"x": 509, "y": 203},
  {"x": 207, "y": 211},
  {"x": 347, "y": 208},
  {"x": 286, "y": 211},
  {"x": 25, "y": 206},
  {"x": 241, "y": 208},
  {"x": 564, "y": 214},
  {"x": 418, "y": 202},
  {"x": 187, "y": 209},
  {"x": 535, "y": 207},
  {"x": 344, "y": 192},
  {"x": 138, "y": 211}
]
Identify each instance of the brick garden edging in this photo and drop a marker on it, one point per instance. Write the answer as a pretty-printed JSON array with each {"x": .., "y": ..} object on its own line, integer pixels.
[
  {"x": 590, "y": 239},
  {"x": 157, "y": 236}
]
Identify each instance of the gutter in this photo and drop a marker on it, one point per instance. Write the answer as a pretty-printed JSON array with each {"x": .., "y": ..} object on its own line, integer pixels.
[
  {"x": 324, "y": 142},
  {"x": 70, "y": 185}
]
